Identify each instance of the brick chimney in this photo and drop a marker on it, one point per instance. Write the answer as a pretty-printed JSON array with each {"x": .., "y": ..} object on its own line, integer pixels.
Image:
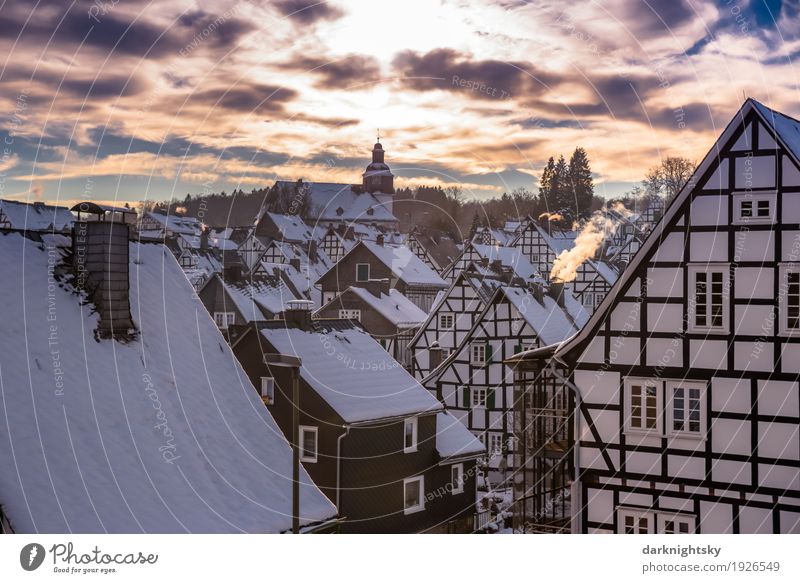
[{"x": 100, "y": 239}]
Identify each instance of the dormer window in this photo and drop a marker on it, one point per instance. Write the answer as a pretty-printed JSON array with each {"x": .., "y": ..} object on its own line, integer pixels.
[
  {"x": 339, "y": 211},
  {"x": 753, "y": 208},
  {"x": 370, "y": 211}
]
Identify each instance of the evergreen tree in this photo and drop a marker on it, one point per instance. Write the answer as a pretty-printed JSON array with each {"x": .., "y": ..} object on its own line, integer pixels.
[
  {"x": 476, "y": 224},
  {"x": 580, "y": 182},
  {"x": 546, "y": 184},
  {"x": 561, "y": 197}
]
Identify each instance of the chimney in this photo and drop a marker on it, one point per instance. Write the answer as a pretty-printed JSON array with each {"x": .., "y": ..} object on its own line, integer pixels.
[
  {"x": 377, "y": 287},
  {"x": 233, "y": 272},
  {"x": 295, "y": 262},
  {"x": 349, "y": 234},
  {"x": 538, "y": 292},
  {"x": 204, "y": 235},
  {"x": 298, "y": 313},
  {"x": 497, "y": 265},
  {"x": 101, "y": 263},
  {"x": 484, "y": 262},
  {"x": 556, "y": 291},
  {"x": 434, "y": 355},
  {"x": 379, "y": 239},
  {"x": 312, "y": 251}
]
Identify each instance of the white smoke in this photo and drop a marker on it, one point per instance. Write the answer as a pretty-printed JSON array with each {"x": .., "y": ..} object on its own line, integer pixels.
[{"x": 566, "y": 265}]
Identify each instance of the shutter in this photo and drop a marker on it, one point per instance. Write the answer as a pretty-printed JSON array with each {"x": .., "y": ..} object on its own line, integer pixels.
[
  {"x": 517, "y": 348},
  {"x": 490, "y": 399},
  {"x": 489, "y": 353},
  {"x": 465, "y": 396}
]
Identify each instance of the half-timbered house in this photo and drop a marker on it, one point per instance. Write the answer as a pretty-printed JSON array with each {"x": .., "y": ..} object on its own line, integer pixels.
[
  {"x": 437, "y": 249},
  {"x": 541, "y": 244},
  {"x": 369, "y": 260},
  {"x": 375, "y": 441},
  {"x": 475, "y": 383},
  {"x": 686, "y": 377},
  {"x": 35, "y": 216}
]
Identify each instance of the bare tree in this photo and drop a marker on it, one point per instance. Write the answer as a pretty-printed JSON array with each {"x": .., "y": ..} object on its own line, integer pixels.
[{"x": 667, "y": 178}]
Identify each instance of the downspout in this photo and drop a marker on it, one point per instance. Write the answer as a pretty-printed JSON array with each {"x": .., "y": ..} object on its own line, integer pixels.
[
  {"x": 575, "y": 490},
  {"x": 339, "y": 467}
]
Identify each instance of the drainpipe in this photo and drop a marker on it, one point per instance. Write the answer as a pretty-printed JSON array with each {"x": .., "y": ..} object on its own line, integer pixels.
[
  {"x": 339, "y": 467},
  {"x": 575, "y": 491}
]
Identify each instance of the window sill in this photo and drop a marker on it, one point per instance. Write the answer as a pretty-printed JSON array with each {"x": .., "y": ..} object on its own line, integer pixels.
[
  {"x": 410, "y": 450},
  {"x": 413, "y": 510},
  {"x": 308, "y": 460}
]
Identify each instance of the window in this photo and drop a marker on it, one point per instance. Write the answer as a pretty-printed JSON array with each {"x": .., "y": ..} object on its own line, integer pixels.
[
  {"x": 686, "y": 406},
  {"x": 362, "y": 272},
  {"x": 495, "y": 444},
  {"x": 268, "y": 390},
  {"x": 478, "y": 352},
  {"x": 308, "y": 444},
  {"x": 630, "y": 521},
  {"x": 598, "y": 299},
  {"x": 413, "y": 490},
  {"x": 224, "y": 319},
  {"x": 643, "y": 405},
  {"x": 708, "y": 305},
  {"x": 675, "y": 523},
  {"x": 350, "y": 315},
  {"x": 752, "y": 208},
  {"x": 478, "y": 396},
  {"x": 410, "y": 435},
  {"x": 446, "y": 321},
  {"x": 789, "y": 299},
  {"x": 588, "y": 300},
  {"x": 534, "y": 258},
  {"x": 457, "y": 478}
]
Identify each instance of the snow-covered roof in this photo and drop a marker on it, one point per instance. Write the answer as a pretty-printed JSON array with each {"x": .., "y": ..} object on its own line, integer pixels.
[
  {"x": 787, "y": 128},
  {"x": 608, "y": 273},
  {"x": 405, "y": 265},
  {"x": 395, "y": 307},
  {"x": 164, "y": 433},
  {"x": 176, "y": 224},
  {"x": 548, "y": 319},
  {"x": 453, "y": 439},
  {"x": 510, "y": 257},
  {"x": 291, "y": 228},
  {"x": 36, "y": 216},
  {"x": 340, "y": 202},
  {"x": 256, "y": 295},
  {"x": 351, "y": 371}
]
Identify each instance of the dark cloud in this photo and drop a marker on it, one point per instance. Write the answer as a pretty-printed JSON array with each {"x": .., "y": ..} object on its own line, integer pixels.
[
  {"x": 341, "y": 73},
  {"x": 245, "y": 98},
  {"x": 657, "y": 17},
  {"x": 308, "y": 11},
  {"x": 449, "y": 70},
  {"x": 328, "y": 122}
]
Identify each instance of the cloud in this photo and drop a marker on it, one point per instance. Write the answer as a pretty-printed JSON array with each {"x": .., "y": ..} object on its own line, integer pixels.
[
  {"x": 246, "y": 97},
  {"x": 450, "y": 70},
  {"x": 339, "y": 73},
  {"x": 308, "y": 11}
]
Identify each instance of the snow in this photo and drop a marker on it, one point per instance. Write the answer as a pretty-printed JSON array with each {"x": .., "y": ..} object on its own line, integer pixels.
[
  {"x": 788, "y": 129},
  {"x": 177, "y": 225},
  {"x": 36, "y": 216},
  {"x": 395, "y": 307},
  {"x": 327, "y": 197},
  {"x": 351, "y": 371},
  {"x": 265, "y": 292},
  {"x": 607, "y": 272},
  {"x": 405, "y": 265},
  {"x": 453, "y": 439},
  {"x": 550, "y": 322},
  {"x": 509, "y": 257},
  {"x": 291, "y": 227},
  {"x": 88, "y": 427}
]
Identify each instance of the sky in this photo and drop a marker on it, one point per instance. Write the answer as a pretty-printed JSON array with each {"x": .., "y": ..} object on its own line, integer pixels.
[{"x": 127, "y": 100}]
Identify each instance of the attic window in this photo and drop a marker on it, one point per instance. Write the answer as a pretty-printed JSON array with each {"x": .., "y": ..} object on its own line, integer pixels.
[
  {"x": 753, "y": 208},
  {"x": 362, "y": 272},
  {"x": 340, "y": 211},
  {"x": 370, "y": 211}
]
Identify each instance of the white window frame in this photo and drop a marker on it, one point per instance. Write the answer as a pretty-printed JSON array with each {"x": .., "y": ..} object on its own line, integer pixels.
[
  {"x": 457, "y": 478},
  {"x": 472, "y": 356},
  {"x": 588, "y": 299},
  {"x": 670, "y": 399},
  {"x": 783, "y": 294},
  {"x": 495, "y": 444},
  {"x": 268, "y": 390},
  {"x": 630, "y": 382},
  {"x": 444, "y": 316},
  {"x": 482, "y": 393},
  {"x": 421, "y": 506},
  {"x": 301, "y": 431},
  {"x": 662, "y": 518},
  {"x": 708, "y": 268},
  {"x": 753, "y": 199},
  {"x": 637, "y": 515},
  {"x": 354, "y": 314},
  {"x": 413, "y": 423},
  {"x": 224, "y": 320},
  {"x": 358, "y": 266}
]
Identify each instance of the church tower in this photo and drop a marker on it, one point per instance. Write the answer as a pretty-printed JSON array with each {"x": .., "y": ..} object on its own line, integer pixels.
[{"x": 378, "y": 178}]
